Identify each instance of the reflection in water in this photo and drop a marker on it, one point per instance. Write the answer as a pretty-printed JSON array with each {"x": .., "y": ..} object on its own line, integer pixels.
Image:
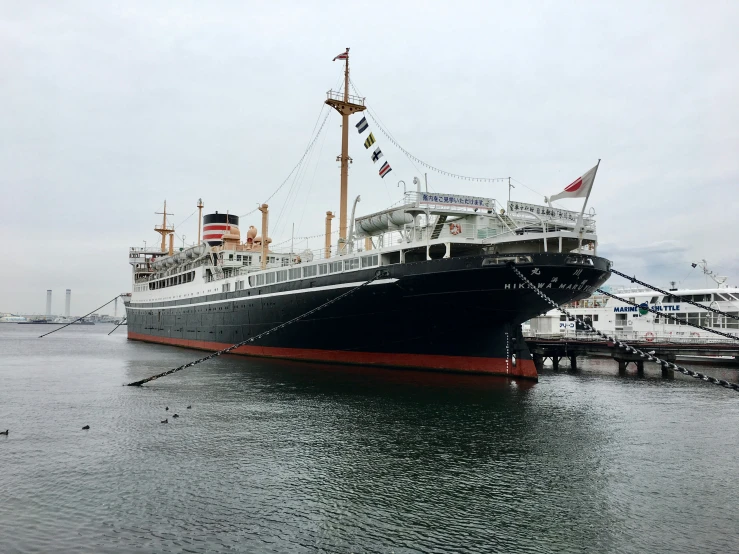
[{"x": 282, "y": 457}]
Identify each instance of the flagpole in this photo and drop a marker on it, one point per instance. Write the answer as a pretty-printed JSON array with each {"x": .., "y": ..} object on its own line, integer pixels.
[{"x": 587, "y": 197}]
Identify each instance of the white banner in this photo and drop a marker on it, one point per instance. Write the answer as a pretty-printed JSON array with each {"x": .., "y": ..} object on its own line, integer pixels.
[
  {"x": 545, "y": 212},
  {"x": 456, "y": 200}
]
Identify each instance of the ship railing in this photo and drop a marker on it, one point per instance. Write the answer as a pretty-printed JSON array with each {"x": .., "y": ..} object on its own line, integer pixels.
[
  {"x": 414, "y": 236},
  {"x": 626, "y": 290},
  {"x": 634, "y": 336},
  {"x": 339, "y": 96}
]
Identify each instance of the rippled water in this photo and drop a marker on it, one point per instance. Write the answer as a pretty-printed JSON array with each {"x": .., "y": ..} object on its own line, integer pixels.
[{"x": 292, "y": 457}]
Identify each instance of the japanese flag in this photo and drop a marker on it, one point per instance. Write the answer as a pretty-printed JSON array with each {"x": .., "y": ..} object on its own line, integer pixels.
[{"x": 579, "y": 188}]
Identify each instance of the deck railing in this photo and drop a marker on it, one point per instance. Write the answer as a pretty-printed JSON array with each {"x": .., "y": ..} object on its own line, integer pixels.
[{"x": 337, "y": 95}]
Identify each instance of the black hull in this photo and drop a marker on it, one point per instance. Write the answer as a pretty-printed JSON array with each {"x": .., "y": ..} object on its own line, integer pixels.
[{"x": 449, "y": 314}]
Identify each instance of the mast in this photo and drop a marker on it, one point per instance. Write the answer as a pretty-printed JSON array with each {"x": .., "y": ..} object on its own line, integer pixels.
[
  {"x": 200, "y": 217},
  {"x": 346, "y": 105},
  {"x": 165, "y": 229}
]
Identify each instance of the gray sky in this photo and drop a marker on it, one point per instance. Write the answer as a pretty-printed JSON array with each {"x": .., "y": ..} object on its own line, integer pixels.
[{"x": 109, "y": 108}]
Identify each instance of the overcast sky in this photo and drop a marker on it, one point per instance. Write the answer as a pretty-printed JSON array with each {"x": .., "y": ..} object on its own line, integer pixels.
[{"x": 108, "y": 108}]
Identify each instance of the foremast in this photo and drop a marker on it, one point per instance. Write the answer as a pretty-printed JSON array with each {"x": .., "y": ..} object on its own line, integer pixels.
[
  {"x": 166, "y": 230},
  {"x": 346, "y": 105}
]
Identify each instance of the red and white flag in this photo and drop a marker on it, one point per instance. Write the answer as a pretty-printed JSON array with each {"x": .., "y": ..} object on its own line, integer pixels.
[
  {"x": 579, "y": 188},
  {"x": 342, "y": 56}
]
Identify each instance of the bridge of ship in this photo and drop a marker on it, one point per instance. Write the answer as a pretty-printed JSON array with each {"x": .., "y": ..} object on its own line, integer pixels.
[{"x": 441, "y": 222}]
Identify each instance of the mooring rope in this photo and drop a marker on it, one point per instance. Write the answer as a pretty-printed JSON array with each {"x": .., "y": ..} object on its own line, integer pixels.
[
  {"x": 621, "y": 344},
  {"x": 642, "y": 283},
  {"x": 378, "y": 275},
  {"x": 670, "y": 316},
  {"x": 116, "y": 327},
  {"x": 79, "y": 318}
]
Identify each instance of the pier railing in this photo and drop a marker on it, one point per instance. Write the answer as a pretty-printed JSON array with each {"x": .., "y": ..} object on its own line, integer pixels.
[{"x": 584, "y": 336}]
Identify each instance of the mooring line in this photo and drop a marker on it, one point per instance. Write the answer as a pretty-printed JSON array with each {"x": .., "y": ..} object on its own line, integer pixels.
[
  {"x": 668, "y": 315},
  {"x": 621, "y": 344},
  {"x": 116, "y": 327},
  {"x": 378, "y": 274},
  {"x": 79, "y": 318},
  {"x": 642, "y": 283}
]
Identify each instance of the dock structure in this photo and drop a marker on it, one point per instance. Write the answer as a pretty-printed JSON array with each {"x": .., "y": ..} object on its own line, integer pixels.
[{"x": 557, "y": 349}]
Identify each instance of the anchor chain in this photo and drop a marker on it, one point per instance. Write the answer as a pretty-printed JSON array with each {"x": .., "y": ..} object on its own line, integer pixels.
[
  {"x": 672, "y": 317},
  {"x": 621, "y": 344},
  {"x": 642, "y": 283},
  {"x": 378, "y": 275}
]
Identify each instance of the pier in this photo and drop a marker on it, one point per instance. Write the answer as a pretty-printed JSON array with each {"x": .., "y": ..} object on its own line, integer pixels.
[{"x": 558, "y": 348}]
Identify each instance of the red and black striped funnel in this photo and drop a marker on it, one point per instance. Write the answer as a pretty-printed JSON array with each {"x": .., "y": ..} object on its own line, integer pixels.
[{"x": 215, "y": 225}]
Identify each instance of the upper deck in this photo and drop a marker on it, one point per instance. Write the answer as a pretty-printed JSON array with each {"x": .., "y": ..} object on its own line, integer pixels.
[{"x": 422, "y": 226}]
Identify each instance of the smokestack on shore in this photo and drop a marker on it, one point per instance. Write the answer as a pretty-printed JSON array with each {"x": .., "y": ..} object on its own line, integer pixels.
[
  {"x": 67, "y": 302},
  {"x": 48, "y": 302}
]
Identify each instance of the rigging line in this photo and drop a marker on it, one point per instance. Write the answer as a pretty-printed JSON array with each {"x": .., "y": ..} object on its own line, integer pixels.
[
  {"x": 184, "y": 220},
  {"x": 532, "y": 190},
  {"x": 301, "y": 166},
  {"x": 297, "y": 165},
  {"x": 302, "y": 238},
  {"x": 79, "y": 318},
  {"x": 692, "y": 269},
  {"x": 303, "y": 172},
  {"x": 299, "y": 180},
  {"x": 291, "y": 197},
  {"x": 285, "y": 205},
  {"x": 313, "y": 179},
  {"x": 374, "y": 116},
  {"x": 433, "y": 168}
]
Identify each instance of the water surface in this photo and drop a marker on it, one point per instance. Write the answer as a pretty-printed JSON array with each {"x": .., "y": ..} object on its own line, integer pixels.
[{"x": 295, "y": 457}]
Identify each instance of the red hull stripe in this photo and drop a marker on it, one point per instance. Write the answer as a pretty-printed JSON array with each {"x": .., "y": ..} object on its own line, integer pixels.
[{"x": 492, "y": 366}]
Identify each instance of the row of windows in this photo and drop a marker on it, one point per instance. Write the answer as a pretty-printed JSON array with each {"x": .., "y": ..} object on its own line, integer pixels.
[
  {"x": 705, "y": 319},
  {"x": 586, "y": 317},
  {"x": 171, "y": 281},
  {"x": 291, "y": 274},
  {"x": 249, "y": 260},
  {"x": 672, "y": 299},
  {"x": 246, "y": 259},
  {"x": 238, "y": 285}
]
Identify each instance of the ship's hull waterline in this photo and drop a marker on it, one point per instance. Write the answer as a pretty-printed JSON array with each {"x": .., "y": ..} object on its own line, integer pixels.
[{"x": 456, "y": 314}]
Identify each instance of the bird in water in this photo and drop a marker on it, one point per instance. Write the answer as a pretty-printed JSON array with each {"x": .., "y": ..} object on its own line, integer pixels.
[
  {"x": 166, "y": 409},
  {"x": 165, "y": 421},
  {"x": 4, "y": 432},
  {"x": 175, "y": 415},
  {"x": 85, "y": 427},
  {"x": 189, "y": 407}
]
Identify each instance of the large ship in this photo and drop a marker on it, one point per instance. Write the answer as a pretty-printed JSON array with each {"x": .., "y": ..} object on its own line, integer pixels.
[{"x": 443, "y": 295}]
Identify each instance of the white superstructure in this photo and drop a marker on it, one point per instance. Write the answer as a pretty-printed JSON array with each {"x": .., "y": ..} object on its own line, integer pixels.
[
  {"x": 423, "y": 226},
  {"x": 621, "y": 319}
]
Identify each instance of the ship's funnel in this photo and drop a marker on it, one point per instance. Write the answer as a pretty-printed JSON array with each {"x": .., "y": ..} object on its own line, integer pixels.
[
  {"x": 48, "y": 302},
  {"x": 67, "y": 302},
  {"x": 216, "y": 225}
]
